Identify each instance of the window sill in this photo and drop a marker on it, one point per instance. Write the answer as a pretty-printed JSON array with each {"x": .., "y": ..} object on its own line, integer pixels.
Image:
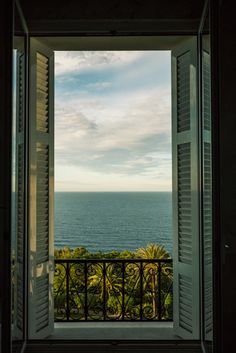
[{"x": 113, "y": 330}]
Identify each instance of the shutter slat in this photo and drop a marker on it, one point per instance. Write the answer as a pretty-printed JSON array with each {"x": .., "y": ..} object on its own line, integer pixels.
[
  {"x": 185, "y": 299},
  {"x": 42, "y": 79},
  {"x": 42, "y": 203},
  {"x": 184, "y": 199},
  {"x": 206, "y": 91},
  {"x": 207, "y": 194},
  {"x": 20, "y": 204},
  {"x": 21, "y": 95},
  {"x": 183, "y": 89}
]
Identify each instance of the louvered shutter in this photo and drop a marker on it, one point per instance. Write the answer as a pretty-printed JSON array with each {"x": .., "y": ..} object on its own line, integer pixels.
[
  {"x": 20, "y": 196},
  {"x": 207, "y": 190},
  {"x": 185, "y": 190},
  {"x": 41, "y": 180}
]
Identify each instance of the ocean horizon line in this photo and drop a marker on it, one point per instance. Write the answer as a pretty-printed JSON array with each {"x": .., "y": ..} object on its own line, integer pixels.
[{"x": 170, "y": 191}]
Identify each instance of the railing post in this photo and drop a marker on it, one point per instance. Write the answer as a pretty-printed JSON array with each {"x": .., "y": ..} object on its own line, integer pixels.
[
  {"x": 123, "y": 291},
  {"x": 159, "y": 291},
  {"x": 86, "y": 291},
  {"x": 141, "y": 290},
  {"x": 67, "y": 292},
  {"x": 104, "y": 290}
]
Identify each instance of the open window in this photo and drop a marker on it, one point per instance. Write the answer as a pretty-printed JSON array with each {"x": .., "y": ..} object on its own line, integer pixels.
[{"x": 186, "y": 202}]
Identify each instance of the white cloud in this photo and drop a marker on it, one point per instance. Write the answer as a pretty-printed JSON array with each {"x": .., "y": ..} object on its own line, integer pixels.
[
  {"x": 114, "y": 141},
  {"x": 77, "y": 61},
  {"x": 141, "y": 130},
  {"x": 98, "y": 85},
  {"x": 139, "y": 116}
]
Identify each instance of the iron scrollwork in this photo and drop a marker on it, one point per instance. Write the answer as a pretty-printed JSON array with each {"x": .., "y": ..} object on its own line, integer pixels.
[{"x": 113, "y": 290}]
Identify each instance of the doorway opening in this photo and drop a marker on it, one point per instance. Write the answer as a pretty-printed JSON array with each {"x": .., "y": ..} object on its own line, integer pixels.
[{"x": 113, "y": 199}]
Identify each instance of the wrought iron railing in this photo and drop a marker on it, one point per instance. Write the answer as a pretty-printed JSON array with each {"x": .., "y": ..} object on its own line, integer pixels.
[{"x": 113, "y": 290}]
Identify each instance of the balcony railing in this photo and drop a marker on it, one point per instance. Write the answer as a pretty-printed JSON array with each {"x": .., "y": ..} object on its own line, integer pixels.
[{"x": 113, "y": 290}]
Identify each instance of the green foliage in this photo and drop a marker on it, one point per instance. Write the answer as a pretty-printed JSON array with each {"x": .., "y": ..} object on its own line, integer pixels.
[
  {"x": 83, "y": 253},
  {"x": 108, "y": 288}
]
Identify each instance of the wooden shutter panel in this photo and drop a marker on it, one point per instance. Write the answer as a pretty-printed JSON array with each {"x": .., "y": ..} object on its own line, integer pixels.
[
  {"x": 207, "y": 192},
  {"x": 185, "y": 190},
  {"x": 20, "y": 196},
  {"x": 41, "y": 152}
]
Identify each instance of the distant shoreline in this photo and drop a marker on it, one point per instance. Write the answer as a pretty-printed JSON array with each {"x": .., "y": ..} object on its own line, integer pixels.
[
  {"x": 113, "y": 192},
  {"x": 83, "y": 253}
]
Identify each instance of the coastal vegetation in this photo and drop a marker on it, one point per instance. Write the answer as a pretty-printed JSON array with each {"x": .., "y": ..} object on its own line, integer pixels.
[{"x": 126, "y": 285}]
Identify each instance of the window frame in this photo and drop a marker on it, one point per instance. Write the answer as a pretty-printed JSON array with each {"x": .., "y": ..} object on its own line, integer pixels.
[{"x": 116, "y": 43}]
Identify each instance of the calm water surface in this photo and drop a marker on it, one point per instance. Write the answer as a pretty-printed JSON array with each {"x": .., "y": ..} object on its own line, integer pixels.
[{"x": 113, "y": 220}]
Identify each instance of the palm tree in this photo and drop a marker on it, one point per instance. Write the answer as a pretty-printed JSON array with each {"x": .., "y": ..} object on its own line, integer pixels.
[
  {"x": 150, "y": 271},
  {"x": 153, "y": 251},
  {"x": 107, "y": 280}
]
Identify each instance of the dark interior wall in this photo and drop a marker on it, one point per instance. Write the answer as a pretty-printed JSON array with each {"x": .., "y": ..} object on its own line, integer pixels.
[
  {"x": 6, "y": 32},
  {"x": 227, "y": 170},
  {"x": 113, "y": 9},
  {"x": 141, "y": 9}
]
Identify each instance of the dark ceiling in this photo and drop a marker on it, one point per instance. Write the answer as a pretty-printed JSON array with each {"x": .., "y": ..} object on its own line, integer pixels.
[
  {"x": 54, "y": 14},
  {"x": 111, "y": 9}
]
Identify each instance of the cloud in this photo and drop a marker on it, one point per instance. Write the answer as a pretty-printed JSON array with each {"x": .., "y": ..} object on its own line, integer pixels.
[
  {"x": 121, "y": 144},
  {"x": 98, "y": 85},
  {"x": 117, "y": 130},
  {"x": 77, "y": 61}
]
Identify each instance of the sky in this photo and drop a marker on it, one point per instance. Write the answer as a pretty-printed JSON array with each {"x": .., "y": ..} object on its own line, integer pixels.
[{"x": 113, "y": 121}]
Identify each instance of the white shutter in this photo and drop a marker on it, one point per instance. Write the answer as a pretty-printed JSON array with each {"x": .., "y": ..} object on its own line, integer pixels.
[
  {"x": 20, "y": 203},
  {"x": 41, "y": 184},
  {"x": 207, "y": 191},
  {"x": 185, "y": 190}
]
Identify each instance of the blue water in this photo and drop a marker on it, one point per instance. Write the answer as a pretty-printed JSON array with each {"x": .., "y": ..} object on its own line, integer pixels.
[{"x": 113, "y": 220}]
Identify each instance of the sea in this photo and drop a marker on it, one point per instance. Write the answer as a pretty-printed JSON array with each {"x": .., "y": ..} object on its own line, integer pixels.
[{"x": 106, "y": 221}]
